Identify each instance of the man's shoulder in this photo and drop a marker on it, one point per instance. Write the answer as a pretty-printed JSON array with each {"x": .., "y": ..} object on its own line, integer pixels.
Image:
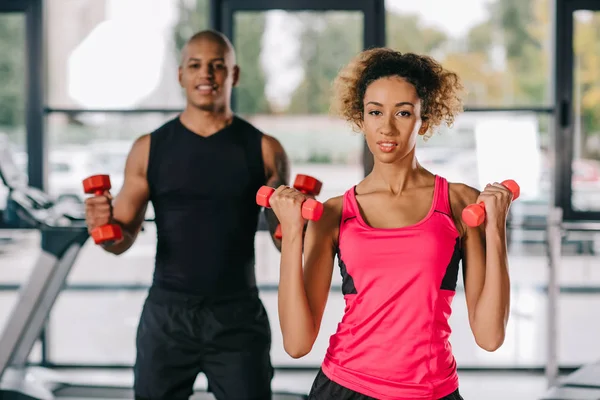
[
  {"x": 272, "y": 148},
  {"x": 246, "y": 126},
  {"x": 166, "y": 126}
]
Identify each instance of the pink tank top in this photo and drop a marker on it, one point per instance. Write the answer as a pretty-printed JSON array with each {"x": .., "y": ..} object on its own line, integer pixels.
[{"x": 398, "y": 284}]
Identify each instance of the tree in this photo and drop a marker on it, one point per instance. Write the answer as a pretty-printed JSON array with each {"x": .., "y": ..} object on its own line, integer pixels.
[
  {"x": 12, "y": 67},
  {"x": 405, "y": 33},
  {"x": 587, "y": 74},
  {"x": 250, "y": 97},
  {"x": 504, "y": 61},
  {"x": 327, "y": 42},
  {"x": 528, "y": 62},
  {"x": 193, "y": 17}
]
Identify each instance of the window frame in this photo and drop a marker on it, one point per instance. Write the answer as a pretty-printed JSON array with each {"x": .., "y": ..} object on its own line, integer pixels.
[
  {"x": 34, "y": 86},
  {"x": 373, "y": 11},
  {"x": 564, "y": 139}
]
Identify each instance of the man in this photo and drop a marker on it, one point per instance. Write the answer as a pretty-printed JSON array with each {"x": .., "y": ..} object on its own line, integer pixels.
[{"x": 201, "y": 171}]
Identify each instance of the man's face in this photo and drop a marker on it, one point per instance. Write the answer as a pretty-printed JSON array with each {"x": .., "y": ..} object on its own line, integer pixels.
[{"x": 208, "y": 73}]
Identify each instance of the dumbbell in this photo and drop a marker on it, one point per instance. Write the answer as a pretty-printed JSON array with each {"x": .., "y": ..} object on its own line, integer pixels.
[
  {"x": 311, "y": 209},
  {"x": 96, "y": 185},
  {"x": 307, "y": 185},
  {"x": 474, "y": 214}
]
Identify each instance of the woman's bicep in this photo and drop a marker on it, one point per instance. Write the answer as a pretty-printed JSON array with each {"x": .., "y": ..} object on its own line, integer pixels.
[
  {"x": 319, "y": 255},
  {"x": 473, "y": 266},
  {"x": 473, "y": 246}
]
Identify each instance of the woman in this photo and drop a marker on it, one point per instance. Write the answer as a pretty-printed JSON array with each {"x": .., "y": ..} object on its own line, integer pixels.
[{"x": 399, "y": 237}]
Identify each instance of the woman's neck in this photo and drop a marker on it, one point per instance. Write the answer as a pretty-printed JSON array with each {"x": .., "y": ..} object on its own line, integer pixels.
[{"x": 397, "y": 177}]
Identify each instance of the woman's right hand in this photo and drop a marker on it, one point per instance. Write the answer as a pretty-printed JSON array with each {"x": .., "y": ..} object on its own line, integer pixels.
[{"x": 286, "y": 203}]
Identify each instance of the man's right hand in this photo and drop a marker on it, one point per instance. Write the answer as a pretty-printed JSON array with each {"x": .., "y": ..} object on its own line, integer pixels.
[
  {"x": 129, "y": 206},
  {"x": 98, "y": 211}
]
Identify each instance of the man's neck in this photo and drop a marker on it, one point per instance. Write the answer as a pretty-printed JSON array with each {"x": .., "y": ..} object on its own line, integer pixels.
[{"x": 205, "y": 123}]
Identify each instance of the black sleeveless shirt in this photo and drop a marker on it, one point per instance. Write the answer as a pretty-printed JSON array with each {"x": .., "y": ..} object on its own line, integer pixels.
[{"x": 203, "y": 190}]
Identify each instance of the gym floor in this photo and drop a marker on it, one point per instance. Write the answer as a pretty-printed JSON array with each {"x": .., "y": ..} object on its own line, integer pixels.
[{"x": 474, "y": 385}]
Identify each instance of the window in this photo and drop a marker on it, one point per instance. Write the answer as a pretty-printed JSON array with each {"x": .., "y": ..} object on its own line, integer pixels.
[
  {"x": 113, "y": 55},
  {"x": 84, "y": 144},
  {"x": 12, "y": 89},
  {"x": 585, "y": 181},
  {"x": 500, "y": 48},
  {"x": 288, "y": 62},
  {"x": 118, "y": 54}
]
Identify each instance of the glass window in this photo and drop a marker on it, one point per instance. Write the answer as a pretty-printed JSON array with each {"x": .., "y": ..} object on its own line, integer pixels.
[
  {"x": 501, "y": 49},
  {"x": 118, "y": 54},
  {"x": 84, "y": 144},
  {"x": 12, "y": 99},
  {"x": 288, "y": 61},
  {"x": 473, "y": 151},
  {"x": 585, "y": 183}
]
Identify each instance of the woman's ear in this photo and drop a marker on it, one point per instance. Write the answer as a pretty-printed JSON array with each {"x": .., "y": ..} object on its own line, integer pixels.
[
  {"x": 361, "y": 124},
  {"x": 424, "y": 126}
]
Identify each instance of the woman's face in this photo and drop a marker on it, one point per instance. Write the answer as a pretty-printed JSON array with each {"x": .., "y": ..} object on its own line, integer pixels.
[{"x": 392, "y": 118}]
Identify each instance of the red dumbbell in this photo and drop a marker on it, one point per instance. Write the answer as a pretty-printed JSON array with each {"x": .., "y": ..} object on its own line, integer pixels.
[
  {"x": 97, "y": 184},
  {"x": 311, "y": 209},
  {"x": 474, "y": 214},
  {"x": 307, "y": 185}
]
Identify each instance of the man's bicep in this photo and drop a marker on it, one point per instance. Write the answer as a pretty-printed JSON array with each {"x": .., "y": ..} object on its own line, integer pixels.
[
  {"x": 277, "y": 165},
  {"x": 129, "y": 206}
]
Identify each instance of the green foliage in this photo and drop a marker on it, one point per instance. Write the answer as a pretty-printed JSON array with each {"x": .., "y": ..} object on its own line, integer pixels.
[
  {"x": 193, "y": 17},
  {"x": 327, "y": 42},
  {"x": 250, "y": 95},
  {"x": 406, "y": 33},
  {"x": 12, "y": 70}
]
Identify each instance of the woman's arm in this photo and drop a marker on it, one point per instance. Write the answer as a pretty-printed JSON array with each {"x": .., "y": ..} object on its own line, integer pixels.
[
  {"x": 302, "y": 295},
  {"x": 485, "y": 263}
]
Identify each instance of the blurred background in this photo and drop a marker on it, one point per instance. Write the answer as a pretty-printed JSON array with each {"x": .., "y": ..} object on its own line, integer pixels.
[{"x": 109, "y": 74}]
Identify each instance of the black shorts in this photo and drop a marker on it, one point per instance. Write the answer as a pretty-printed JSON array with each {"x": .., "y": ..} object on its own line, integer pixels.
[
  {"x": 324, "y": 388},
  {"x": 179, "y": 336}
]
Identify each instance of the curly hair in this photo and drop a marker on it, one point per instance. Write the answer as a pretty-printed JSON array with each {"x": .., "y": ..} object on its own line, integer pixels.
[{"x": 438, "y": 89}]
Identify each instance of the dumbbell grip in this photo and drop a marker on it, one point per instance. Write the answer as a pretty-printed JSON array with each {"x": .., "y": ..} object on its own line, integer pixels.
[
  {"x": 478, "y": 206},
  {"x": 474, "y": 214},
  {"x": 278, "y": 232}
]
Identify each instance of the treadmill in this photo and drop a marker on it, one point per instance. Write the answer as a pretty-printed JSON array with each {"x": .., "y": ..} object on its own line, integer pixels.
[{"x": 63, "y": 234}]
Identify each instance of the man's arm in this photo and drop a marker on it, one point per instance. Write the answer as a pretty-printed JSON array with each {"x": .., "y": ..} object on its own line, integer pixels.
[
  {"x": 129, "y": 206},
  {"x": 277, "y": 172}
]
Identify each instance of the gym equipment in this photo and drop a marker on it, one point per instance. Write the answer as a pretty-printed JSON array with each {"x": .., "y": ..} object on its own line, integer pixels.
[
  {"x": 307, "y": 185},
  {"x": 98, "y": 184},
  {"x": 63, "y": 233},
  {"x": 583, "y": 384},
  {"x": 311, "y": 209},
  {"x": 474, "y": 214}
]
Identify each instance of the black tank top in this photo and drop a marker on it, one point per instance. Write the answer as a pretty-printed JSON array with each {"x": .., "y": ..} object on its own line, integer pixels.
[{"x": 203, "y": 190}]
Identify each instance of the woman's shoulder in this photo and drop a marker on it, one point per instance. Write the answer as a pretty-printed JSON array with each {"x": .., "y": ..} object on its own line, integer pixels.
[
  {"x": 461, "y": 193},
  {"x": 333, "y": 206}
]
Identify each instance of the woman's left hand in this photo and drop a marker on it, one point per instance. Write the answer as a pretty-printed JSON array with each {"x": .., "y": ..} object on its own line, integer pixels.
[{"x": 497, "y": 199}]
